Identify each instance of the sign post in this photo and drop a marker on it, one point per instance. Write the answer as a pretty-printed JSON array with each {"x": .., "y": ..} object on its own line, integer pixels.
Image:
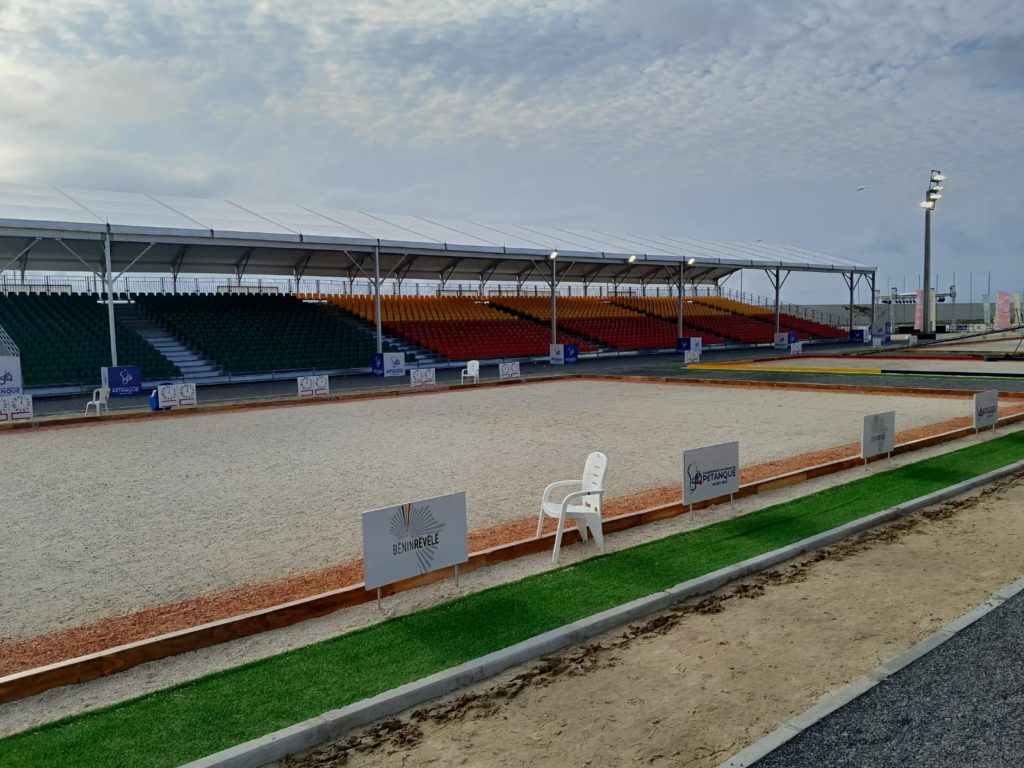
[
  {"x": 878, "y": 435},
  {"x": 411, "y": 539},
  {"x": 711, "y": 472},
  {"x": 986, "y": 410}
]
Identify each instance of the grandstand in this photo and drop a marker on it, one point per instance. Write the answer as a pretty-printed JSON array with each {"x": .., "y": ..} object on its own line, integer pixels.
[
  {"x": 456, "y": 327},
  {"x": 604, "y": 322},
  {"x": 57, "y": 231},
  {"x": 261, "y": 333},
  {"x": 64, "y": 341}
]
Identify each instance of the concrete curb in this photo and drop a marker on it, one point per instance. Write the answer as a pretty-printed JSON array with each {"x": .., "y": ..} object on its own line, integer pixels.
[
  {"x": 765, "y": 746},
  {"x": 333, "y": 724}
]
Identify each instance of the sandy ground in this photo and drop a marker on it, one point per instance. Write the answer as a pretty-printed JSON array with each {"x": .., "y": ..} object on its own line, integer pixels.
[
  {"x": 70, "y": 700},
  {"x": 874, "y": 362},
  {"x": 108, "y": 519},
  {"x": 694, "y": 685}
]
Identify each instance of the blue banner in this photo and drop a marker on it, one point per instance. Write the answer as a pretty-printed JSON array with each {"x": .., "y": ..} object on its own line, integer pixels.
[
  {"x": 572, "y": 353},
  {"x": 792, "y": 337},
  {"x": 857, "y": 336},
  {"x": 682, "y": 345},
  {"x": 377, "y": 366},
  {"x": 123, "y": 380}
]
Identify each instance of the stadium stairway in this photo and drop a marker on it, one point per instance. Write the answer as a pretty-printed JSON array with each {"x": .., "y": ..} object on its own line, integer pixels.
[{"x": 193, "y": 367}]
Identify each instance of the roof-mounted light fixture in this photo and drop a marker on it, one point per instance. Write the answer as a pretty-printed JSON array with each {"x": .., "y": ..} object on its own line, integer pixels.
[
  {"x": 631, "y": 259},
  {"x": 553, "y": 255}
]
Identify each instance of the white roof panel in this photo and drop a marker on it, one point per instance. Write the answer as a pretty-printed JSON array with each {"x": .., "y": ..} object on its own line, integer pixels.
[
  {"x": 22, "y": 205},
  {"x": 226, "y": 219},
  {"x": 71, "y": 211}
]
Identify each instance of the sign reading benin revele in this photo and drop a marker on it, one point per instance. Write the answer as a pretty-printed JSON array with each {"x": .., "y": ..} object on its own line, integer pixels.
[
  {"x": 508, "y": 370},
  {"x": 422, "y": 377},
  {"x": 986, "y": 409},
  {"x": 412, "y": 539},
  {"x": 711, "y": 472},
  {"x": 879, "y": 435}
]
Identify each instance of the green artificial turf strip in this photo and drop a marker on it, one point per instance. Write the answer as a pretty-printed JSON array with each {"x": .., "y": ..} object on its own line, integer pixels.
[{"x": 203, "y": 716}]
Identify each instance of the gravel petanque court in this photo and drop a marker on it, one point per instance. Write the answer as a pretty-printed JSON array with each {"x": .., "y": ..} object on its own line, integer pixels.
[{"x": 107, "y": 519}]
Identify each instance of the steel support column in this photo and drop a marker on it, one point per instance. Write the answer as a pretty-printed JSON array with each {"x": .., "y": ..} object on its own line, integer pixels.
[
  {"x": 376, "y": 297},
  {"x": 108, "y": 274}
]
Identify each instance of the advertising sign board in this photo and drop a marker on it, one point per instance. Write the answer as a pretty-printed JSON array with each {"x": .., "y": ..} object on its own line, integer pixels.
[
  {"x": 711, "y": 472},
  {"x": 10, "y": 375},
  {"x": 123, "y": 380},
  {"x": 879, "y": 434},
  {"x": 411, "y": 539},
  {"x": 986, "y": 409}
]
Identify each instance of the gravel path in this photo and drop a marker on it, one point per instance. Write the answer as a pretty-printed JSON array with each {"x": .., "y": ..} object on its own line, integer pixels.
[
  {"x": 962, "y": 704},
  {"x": 106, "y": 519}
]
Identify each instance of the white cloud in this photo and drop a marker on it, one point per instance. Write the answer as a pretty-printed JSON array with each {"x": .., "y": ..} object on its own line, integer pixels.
[{"x": 726, "y": 119}]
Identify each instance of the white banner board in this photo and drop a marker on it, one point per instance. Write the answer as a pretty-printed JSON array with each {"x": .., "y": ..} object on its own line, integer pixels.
[
  {"x": 691, "y": 356},
  {"x": 313, "y": 385},
  {"x": 711, "y": 472},
  {"x": 911, "y": 340},
  {"x": 394, "y": 364},
  {"x": 15, "y": 408},
  {"x": 986, "y": 409},
  {"x": 508, "y": 371},
  {"x": 557, "y": 354},
  {"x": 876, "y": 341},
  {"x": 411, "y": 539},
  {"x": 422, "y": 377},
  {"x": 781, "y": 340},
  {"x": 879, "y": 434},
  {"x": 697, "y": 345},
  {"x": 176, "y": 395},
  {"x": 10, "y": 375},
  {"x": 796, "y": 348}
]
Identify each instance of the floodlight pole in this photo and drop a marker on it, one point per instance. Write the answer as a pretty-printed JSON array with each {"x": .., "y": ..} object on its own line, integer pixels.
[
  {"x": 871, "y": 280},
  {"x": 926, "y": 310},
  {"x": 376, "y": 297},
  {"x": 110, "y": 300}
]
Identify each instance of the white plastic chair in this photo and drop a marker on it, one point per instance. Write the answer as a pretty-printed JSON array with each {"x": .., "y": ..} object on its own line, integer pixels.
[
  {"x": 100, "y": 397},
  {"x": 471, "y": 372},
  {"x": 587, "y": 509}
]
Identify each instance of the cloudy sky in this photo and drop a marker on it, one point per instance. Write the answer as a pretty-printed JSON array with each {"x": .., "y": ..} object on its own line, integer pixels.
[{"x": 723, "y": 119}]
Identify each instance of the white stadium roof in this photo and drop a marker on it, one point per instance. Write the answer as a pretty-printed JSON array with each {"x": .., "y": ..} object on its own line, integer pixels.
[{"x": 62, "y": 229}]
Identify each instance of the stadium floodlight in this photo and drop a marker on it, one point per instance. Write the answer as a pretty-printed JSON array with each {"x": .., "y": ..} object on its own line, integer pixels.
[
  {"x": 931, "y": 197},
  {"x": 691, "y": 261},
  {"x": 553, "y": 255},
  {"x": 631, "y": 259}
]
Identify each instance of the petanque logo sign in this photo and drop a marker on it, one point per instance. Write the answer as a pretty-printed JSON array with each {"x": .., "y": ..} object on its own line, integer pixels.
[
  {"x": 414, "y": 538},
  {"x": 10, "y": 375},
  {"x": 986, "y": 409},
  {"x": 711, "y": 472}
]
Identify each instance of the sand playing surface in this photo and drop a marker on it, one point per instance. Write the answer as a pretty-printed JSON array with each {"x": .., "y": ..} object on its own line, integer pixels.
[
  {"x": 107, "y": 519},
  {"x": 875, "y": 362},
  {"x": 694, "y": 685}
]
